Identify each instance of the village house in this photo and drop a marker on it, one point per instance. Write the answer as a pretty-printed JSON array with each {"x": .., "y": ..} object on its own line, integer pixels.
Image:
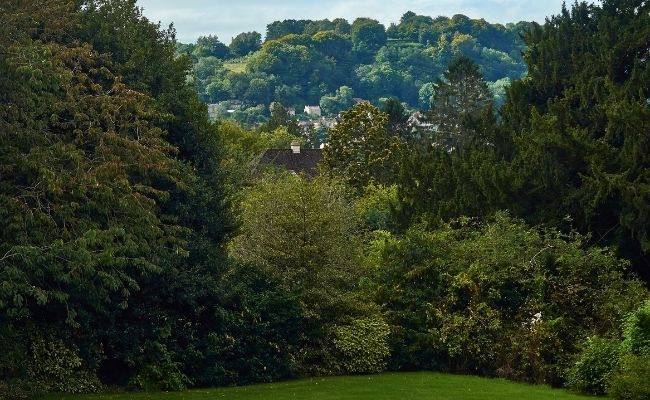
[
  {"x": 300, "y": 161},
  {"x": 313, "y": 111}
]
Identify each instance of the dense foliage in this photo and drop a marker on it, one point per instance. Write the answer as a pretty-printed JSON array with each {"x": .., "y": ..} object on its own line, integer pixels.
[
  {"x": 580, "y": 121},
  {"x": 304, "y": 62},
  {"x": 111, "y": 199},
  {"x": 144, "y": 247}
]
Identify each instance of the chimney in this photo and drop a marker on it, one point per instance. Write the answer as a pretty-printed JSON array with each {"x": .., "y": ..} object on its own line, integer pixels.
[{"x": 295, "y": 147}]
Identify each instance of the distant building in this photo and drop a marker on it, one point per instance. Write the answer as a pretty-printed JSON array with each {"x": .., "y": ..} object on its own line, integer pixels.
[
  {"x": 418, "y": 122},
  {"x": 293, "y": 159},
  {"x": 313, "y": 111}
]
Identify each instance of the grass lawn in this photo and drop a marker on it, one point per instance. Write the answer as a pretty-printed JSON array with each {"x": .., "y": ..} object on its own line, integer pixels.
[
  {"x": 235, "y": 66},
  {"x": 389, "y": 386}
]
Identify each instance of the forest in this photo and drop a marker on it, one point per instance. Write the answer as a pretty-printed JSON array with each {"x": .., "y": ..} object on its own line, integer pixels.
[
  {"x": 331, "y": 63},
  {"x": 142, "y": 247}
]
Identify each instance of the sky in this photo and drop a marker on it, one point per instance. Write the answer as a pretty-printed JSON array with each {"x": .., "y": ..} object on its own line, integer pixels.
[{"x": 227, "y": 18}]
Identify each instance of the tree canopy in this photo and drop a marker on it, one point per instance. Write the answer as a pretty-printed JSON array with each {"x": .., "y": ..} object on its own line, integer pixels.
[
  {"x": 141, "y": 251},
  {"x": 316, "y": 57}
]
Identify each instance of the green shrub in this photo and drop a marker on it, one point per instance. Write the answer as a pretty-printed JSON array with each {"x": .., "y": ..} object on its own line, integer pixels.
[
  {"x": 636, "y": 331},
  {"x": 632, "y": 380},
  {"x": 363, "y": 345},
  {"x": 56, "y": 367},
  {"x": 595, "y": 365},
  {"x": 157, "y": 370}
]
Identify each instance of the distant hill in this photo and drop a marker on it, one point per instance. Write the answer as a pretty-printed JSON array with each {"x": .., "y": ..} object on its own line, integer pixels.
[{"x": 305, "y": 62}]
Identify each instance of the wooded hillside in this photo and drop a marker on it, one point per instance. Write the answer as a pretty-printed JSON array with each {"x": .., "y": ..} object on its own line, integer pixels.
[{"x": 329, "y": 63}]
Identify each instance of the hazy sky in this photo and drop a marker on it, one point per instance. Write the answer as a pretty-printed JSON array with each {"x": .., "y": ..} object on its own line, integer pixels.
[{"x": 227, "y": 18}]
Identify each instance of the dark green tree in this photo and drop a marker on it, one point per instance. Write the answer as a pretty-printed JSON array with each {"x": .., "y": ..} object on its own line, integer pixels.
[
  {"x": 304, "y": 233},
  {"x": 579, "y": 121},
  {"x": 342, "y": 99},
  {"x": 245, "y": 43},
  {"x": 280, "y": 118},
  {"x": 278, "y": 29},
  {"x": 210, "y": 46},
  {"x": 127, "y": 213},
  {"x": 332, "y": 44},
  {"x": 89, "y": 182},
  {"x": 460, "y": 96},
  {"x": 397, "y": 117},
  {"x": 368, "y": 36}
]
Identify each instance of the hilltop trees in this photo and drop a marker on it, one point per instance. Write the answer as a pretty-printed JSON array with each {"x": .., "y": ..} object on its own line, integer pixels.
[
  {"x": 303, "y": 60},
  {"x": 245, "y": 43},
  {"x": 368, "y": 36}
]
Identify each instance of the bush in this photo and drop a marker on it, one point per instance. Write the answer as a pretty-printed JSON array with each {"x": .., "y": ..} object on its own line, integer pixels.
[
  {"x": 157, "y": 370},
  {"x": 636, "y": 331},
  {"x": 363, "y": 345},
  {"x": 57, "y": 367},
  {"x": 595, "y": 365},
  {"x": 631, "y": 381}
]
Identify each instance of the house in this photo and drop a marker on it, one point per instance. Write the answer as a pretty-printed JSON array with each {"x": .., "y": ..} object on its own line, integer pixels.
[
  {"x": 418, "y": 122},
  {"x": 292, "y": 159},
  {"x": 313, "y": 111}
]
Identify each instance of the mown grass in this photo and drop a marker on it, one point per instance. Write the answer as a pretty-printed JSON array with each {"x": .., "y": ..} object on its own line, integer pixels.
[{"x": 389, "y": 386}]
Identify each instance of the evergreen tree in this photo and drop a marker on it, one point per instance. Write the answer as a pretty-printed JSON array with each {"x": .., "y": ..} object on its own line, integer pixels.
[
  {"x": 580, "y": 121},
  {"x": 460, "y": 95}
]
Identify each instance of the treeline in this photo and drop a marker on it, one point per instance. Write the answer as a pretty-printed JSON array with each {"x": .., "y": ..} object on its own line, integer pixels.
[
  {"x": 139, "y": 250},
  {"x": 305, "y": 62}
]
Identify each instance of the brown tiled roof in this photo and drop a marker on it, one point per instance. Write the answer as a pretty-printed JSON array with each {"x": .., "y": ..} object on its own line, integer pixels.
[{"x": 306, "y": 161}]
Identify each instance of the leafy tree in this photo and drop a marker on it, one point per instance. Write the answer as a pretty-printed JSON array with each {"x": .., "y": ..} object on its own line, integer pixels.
[
  {"x": 285, "y": 229},
  {"x": 86, "y": 186},
  {"x": 280, "y": 118},
  {"x": 133, "y": 210},
  {"x": 361, "y": 149},
  {"x": 245, "y": 43},
  {"x": 332, "y": 44},
  {"x": 425, "y": 95},
  {"x": 304, "y": 233},
  {"x": 380, "y": 80},
  {"x": 278, "y": 29},
  {"x": 397, "y": 116},
  {"x": 313, "y": 27},
  {"x": 342, "y": 99},
  {"x": 368, "y": 36},
  {"x": 259, "y": 91},
  {"x": 206, "y": 71},
  {"x": 341, "y": 26},
  {"x": 282, "y": 58},
  {"x": 210, "y": 46}
]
